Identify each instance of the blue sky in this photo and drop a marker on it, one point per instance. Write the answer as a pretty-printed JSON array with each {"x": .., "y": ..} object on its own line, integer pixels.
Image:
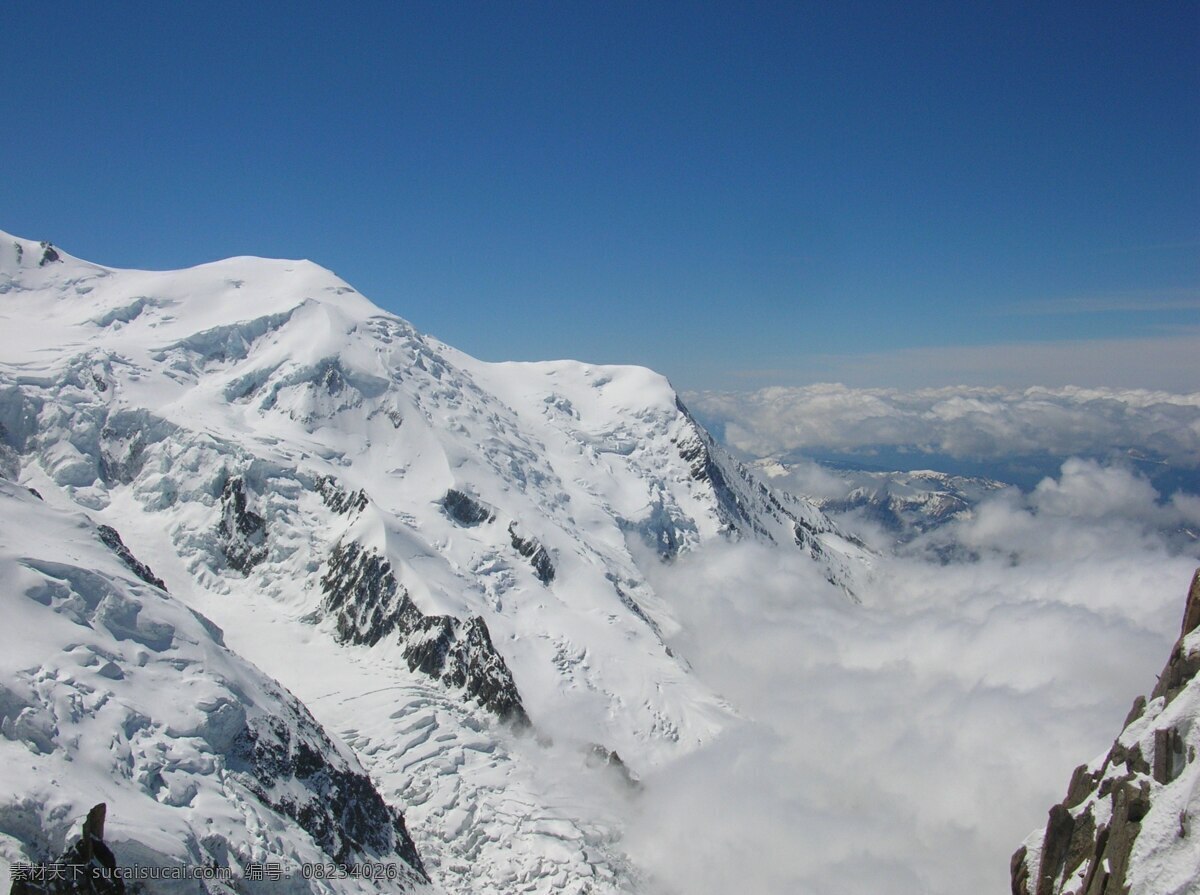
[{"x": 734, "y": 194}]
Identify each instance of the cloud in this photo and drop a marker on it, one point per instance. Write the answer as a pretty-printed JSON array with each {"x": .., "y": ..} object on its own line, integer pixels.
[
  {"x": 1088, "y": 490},
  {"x": 909, "y": 744},
  {"x": 961, "y": 421},
  {"x": 805, "y": 477}
]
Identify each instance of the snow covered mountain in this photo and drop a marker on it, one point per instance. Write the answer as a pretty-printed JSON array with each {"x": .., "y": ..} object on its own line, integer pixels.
[
  {"x": 905, "y": 504},
  {"x": 1127, "y": 823},
  {"x": 114, "y": 691},
  {"x": 433, "y": 553}
]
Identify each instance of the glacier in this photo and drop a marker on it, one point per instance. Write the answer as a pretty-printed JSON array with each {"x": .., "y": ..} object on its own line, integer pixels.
[{"x": 443, "y": 559}]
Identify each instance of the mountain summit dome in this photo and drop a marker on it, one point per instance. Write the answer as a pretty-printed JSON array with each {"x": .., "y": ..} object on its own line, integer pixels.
[{"x": 366, "y": 510}]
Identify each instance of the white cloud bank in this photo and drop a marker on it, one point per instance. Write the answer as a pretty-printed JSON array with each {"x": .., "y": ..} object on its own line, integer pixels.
[
  {"x": 909, "y": 744},
  {"x": 960, "y": 421}
]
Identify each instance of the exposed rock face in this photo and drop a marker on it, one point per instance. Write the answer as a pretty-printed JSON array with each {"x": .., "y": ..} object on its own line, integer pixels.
[
  {"x": 88, "y": 866},
  {"x": 532, "y": 550},
  {"x": 338, "y": 499},
  {"x": 748, "y": 508},
  {"x": 600, "y": 757},
  {"x": 227, "y": 414},
  {"x": 243, "y": 531},
  {"x": 124, "y": 438},
  {"x": 695, "y": 451},
  {"x": 49, "y": 255},
  {"x": 465, "y": 510},
  {"x": 1191, "y": 612},
  {"x": 338, "y": 807},
  {"x": 206, "y": 753},
  {"x": 112, "y": 540},
  {"x": 369, "y": 604},
  {"x": 1124, "y": 824}
]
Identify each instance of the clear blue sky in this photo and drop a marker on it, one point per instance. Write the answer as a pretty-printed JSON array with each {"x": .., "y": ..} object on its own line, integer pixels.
[{"x": 721, "y": 191}]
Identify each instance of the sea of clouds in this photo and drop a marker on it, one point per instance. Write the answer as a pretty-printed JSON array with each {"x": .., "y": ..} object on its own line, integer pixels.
[
  {"x": 958, "y": 421},
  {"x": 909, "y": 743}
]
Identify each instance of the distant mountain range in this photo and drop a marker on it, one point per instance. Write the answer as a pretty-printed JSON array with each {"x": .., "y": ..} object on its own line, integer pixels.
[{"x": 905, "y": 504}]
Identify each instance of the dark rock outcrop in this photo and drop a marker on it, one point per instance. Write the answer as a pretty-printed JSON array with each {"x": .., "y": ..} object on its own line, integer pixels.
[
  {"x": 695, "y": 449},
  {"x": 87, "y": 868},
  {"x": 126, "y": 437},
  {"x": 368, "y": 604},
  {"x": 243, "y": 532},
  {"x": 338, "y": 499},
  {"x": 112, "y": 540},
  {"x": 1191, "y": 612},
  {"x": 49, "y": 254},
  {"x": 461, "y": 654},
  {"x": 532, "y": 550},
  {"x": 600, "y": 757},
  {"x": 340, "y": 808},
  {"x": 465, "y": 510},
  {"x": 1082, "y": 857}
]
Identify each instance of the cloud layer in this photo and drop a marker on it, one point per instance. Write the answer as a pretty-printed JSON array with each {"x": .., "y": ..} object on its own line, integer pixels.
[
  {"x": 962, "y": 422},
  {"x": 909, "y": 744}
]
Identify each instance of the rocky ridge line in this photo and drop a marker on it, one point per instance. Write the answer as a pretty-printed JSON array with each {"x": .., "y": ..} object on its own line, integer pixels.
[
  {"x": 368, "y": 604},
  {"x": 1125, "y": 825}
]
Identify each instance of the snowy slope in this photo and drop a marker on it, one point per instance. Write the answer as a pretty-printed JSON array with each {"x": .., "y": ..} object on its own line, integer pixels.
[
  {"x": 470, "y": 538},
  {"x": 115, "y": 692}
]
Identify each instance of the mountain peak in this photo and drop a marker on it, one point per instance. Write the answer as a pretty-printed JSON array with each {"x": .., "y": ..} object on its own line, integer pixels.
[
  {"x": 474, "y": 540},
  {"x": 23, "y": 254}
]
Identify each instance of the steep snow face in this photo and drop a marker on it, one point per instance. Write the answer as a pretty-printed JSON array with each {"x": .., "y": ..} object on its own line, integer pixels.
[
  {"x": 114, "y": 691},
  {"x": 291, "y": 459}
]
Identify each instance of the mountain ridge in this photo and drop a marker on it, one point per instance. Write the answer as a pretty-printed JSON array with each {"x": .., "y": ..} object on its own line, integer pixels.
[
  {"x": 232, "y": 769},
  {"x": 316, "y": 475}
]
